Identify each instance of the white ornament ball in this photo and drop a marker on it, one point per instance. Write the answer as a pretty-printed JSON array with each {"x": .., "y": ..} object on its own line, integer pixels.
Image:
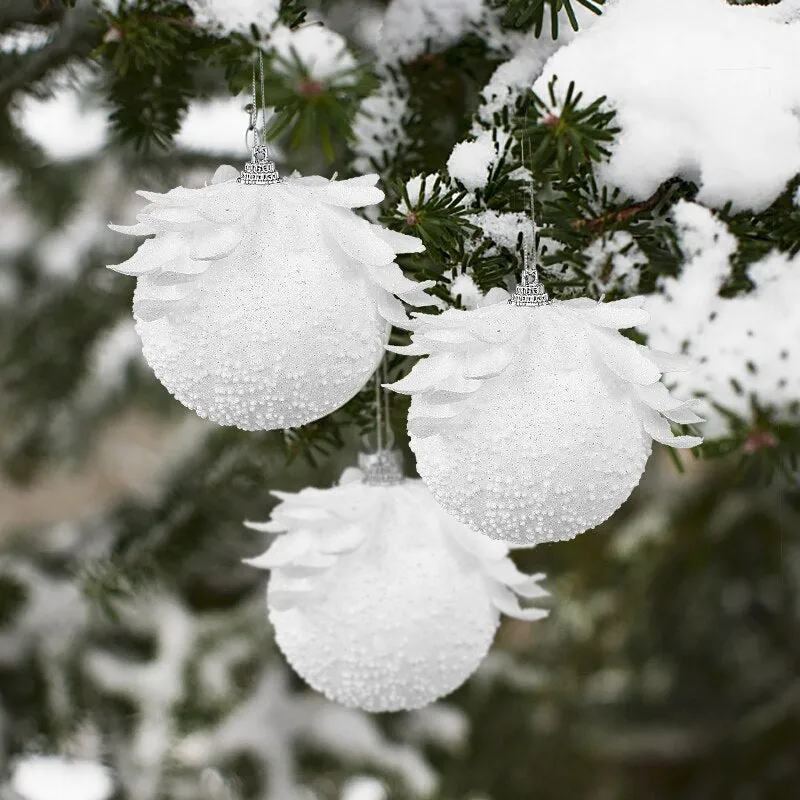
[
  {"x": 381, "y": 601},
  {"x": 266, "y": 306},
  {"x": 534, "y": 424}
]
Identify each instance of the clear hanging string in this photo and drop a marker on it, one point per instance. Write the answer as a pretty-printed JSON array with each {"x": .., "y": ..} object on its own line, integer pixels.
[
  {"x": 386, "y": 410},
  {"x": 384, "y": 465},
  {"x": 378, "y": 378},
  {"x": 529, "y": 291}
]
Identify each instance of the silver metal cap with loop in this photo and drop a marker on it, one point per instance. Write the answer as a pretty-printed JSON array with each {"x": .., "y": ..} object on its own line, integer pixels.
[
  {"x": 382, "y": 468},
  {"x": 529, "y": 291},
  {"x": 260, "y": 170}
]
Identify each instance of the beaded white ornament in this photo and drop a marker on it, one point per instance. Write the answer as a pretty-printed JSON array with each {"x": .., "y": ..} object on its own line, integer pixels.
[
  {"x": 264, "y": 302},
  {"x": 380, "y": 600}
]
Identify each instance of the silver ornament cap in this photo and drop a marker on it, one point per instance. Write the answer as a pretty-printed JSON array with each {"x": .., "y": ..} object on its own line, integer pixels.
[
  {"x": 529, "y": 291},
  {"x": 260, "y": 170},
  {"x": 382, "y": 468}
]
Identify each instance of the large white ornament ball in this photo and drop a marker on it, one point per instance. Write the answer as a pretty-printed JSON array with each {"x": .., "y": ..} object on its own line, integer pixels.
[
  {"x": 534, "y": 424},
  {"x": 381, "y": 601},
  {"x": 266, "y": 306}
]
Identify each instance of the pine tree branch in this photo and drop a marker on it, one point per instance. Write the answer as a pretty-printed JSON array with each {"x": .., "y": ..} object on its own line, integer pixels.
[
  {"x": 624, "y": 214},
  {"x": 29, "y": 12},
  {"x": 78, "y": 34}
]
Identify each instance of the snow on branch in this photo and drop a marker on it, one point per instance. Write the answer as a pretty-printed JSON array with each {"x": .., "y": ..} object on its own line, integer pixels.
[
  {"x": 703, "y": 90},
  {"x": 745, "y": 348}
]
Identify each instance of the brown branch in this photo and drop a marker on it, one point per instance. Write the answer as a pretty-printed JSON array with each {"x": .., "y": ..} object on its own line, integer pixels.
[{"x": 624, "y": 214}]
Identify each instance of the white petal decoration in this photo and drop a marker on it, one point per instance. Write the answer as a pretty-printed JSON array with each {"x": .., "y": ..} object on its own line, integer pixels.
[
  {"x": 149, "y": 309},
  {"x": 352, "y": 193},
  {"x": 267, "y": 307},
  {"x": 139, "y": 229},
  {"x": 669, "y": 362},
  {"x": 355, "y": 237},
  {"x": 427, "y": 374},
  {"x": 152, "y": 254},
  {"x": 507, "y": 602},
  {"x": 400, "y": 242},
  {"x": 487, "y": 362},
  {"x": 624, "y": 359},
  {"x": 660, "y": 430},
  {"x": 549, "y": 414},
  {"x": 405, "y": 616}
]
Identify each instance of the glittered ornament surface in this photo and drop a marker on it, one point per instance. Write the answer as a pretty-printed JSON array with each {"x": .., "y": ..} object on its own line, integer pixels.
[
  {"x": 380, "y": 600},
  {"x": 266, "y": 306},
  {"x": 534, "y": 424}
]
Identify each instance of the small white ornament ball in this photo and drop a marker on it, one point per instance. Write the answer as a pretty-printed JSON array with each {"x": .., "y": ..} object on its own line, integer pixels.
[
  {"x": 266, "y": 306},
  {"x": 381, "y": 601},
  {"x": 534, "y": 424}
]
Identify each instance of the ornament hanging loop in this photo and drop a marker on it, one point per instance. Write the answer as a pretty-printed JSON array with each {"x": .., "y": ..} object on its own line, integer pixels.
[
  {"x": 252, "y": 128},
  {"x": 530, "y": 291}
]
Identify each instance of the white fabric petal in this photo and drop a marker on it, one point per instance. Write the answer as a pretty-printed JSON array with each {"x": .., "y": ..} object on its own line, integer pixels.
[
  {"x": 211, "y": 243},
  {"x": 150, "y": 309},
  {"x": 506, "y": 601},
  {"x": 658, "y": 428},
  {"x": 531, "y": 588},
  {"x": 426, "y": 373},
  {"x": 344, "y": 540},
  {"x": 139, "y": 229},
  {"x": 668, "y": 362},
  {"x": 685, "y": 415},
  {"x": 424, "y": 427},
  {"x": 505, "y": 571},
  {"x": 355, "y": 237},
  {"x": 177, "y": 216},
  {"x": 624, "y": 358},
  {"x": 391, "y": 278},
  {"x": 399, "y": 242},
  {"x": 284, "y": 550},
  {"x": 610, "y": 315},
  {"x": 225, "y": 208},
  {"x": 419, "y": 297},
  {"x": 170, "y": 278},
  {"x": 151, "y": 254},
  {"x": 264, "y": 527},
  {"x": 391, "y": 309},
  {"x": 179, "y": 196},
  {"x": 285, "y": 599},
  {"x": 412, "y": 349},
  {"x": 487, "y": 363},
  {"x": 658, "y": 398},
  {"x": 352, "y": 193}
]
